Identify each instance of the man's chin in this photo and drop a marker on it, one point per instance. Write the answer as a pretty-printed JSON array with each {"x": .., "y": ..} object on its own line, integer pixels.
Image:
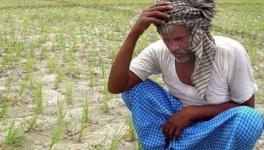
[{"x": 182, "y": 59}]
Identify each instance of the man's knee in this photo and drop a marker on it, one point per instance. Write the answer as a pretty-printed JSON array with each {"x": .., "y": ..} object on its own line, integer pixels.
[
  {"x": 249, "y": 123},
  {"x": 141, "y": 94}
]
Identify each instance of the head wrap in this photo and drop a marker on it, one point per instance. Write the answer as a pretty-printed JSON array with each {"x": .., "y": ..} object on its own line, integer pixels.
[{"x": 196, "y": 14}]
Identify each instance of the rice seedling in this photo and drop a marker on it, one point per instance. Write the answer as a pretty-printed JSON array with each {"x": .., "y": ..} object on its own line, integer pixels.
[
  {"x": 74, "y": 40},
  {"x": 29, "y": 68},
  {"x": 60, "y": 111},
  {"x": 60, "y": 125},
  {"x": 105, "y": 98},
  {"x": 10, "y": 58},
  {"x": 33, "y": 121},
  {"x": 105, "y": 90},
  {"x": 13, "y": 135},
  {"x": 42, "y": 53},
  {"x": 85, "y": 113},
  {"x": 118, "y": 136},
  {"x": 22, "y": 86},
  {"x": 38, "y": 99},
  {"x": 62, "y": 40},
  {"x": 85, "y": 118},
  {"x": 102, "y": 65},
  {"x": 72, "y": 69},
  {"x": 131, "y": 134},
  {"x": 8, "y": 82},
  {"x": 69, "y": 93},
  {"x": 3, "y": 110},
  {"x": 57, "y": 133},
  {"x": 91, "y": 77},
  {"x": 69, "y": 59},
  {"x": 90, "y": 69},
  {"x": 58, "y": 78},
  {"x": 51, "y": 64},
  {"x": 3, "y": 105},
  {"x": 29, "y": 72},
  {"x": 139, "y": 146}
]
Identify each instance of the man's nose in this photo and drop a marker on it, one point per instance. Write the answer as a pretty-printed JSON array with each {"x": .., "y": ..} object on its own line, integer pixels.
[{"x": 173, "y": 47}]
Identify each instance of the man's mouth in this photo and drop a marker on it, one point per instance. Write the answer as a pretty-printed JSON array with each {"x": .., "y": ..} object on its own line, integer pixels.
[{"x": 180, "y": 55}]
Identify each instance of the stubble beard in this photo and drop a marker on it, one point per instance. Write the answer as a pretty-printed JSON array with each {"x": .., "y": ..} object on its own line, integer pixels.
[{"x": 184, "y": 58}]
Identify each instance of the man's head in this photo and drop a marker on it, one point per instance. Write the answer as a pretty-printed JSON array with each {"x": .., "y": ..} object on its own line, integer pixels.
[
  {"x": 190, "y": 17},
  {"x": 182, "y": 43},
  {"x": 177, "y": 41}
]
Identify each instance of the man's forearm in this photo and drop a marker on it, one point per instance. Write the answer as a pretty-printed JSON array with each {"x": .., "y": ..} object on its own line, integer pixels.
[
  {"x": 210, "y": 111},
  {"x": 181, "y": 119},
  {"x": 120, "y": 69}
]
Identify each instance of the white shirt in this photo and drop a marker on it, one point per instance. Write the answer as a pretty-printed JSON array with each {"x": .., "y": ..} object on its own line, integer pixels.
[{"x": 231, "y": 78}]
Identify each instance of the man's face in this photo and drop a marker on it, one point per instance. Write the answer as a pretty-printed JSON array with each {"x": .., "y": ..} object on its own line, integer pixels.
[{"x": 177, "y": 41}]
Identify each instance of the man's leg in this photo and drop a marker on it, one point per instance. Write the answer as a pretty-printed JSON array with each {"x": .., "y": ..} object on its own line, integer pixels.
[
  {"x": 150, "y": 106},
  {"x": 235, "y": 129}
]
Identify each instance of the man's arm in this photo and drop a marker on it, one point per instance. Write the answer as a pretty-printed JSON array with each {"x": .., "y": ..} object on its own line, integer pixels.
[
  {"x": 181, "y": 119},
  {"x": 207, "y": 112},
  {"x": 120, "y": 78}
]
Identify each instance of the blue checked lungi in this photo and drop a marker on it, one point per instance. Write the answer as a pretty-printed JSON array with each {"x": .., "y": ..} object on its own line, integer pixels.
[{"x": 151, "y": 105}]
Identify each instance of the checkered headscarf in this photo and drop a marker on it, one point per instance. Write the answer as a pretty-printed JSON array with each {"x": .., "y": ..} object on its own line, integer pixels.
[{"x": 196, "y": 14}]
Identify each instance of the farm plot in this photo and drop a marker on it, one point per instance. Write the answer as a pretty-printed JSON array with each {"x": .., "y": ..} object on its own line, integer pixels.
[{"x": 55, "y": 58}]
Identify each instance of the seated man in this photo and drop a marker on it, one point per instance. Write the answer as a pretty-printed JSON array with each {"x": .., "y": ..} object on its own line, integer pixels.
[{"x": 210, "y": 99}]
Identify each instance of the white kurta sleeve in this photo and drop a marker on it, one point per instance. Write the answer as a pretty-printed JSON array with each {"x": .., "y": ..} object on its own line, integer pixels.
[
  {"x": 146, "y": 63},
  {"x": 242, "y": 84}
]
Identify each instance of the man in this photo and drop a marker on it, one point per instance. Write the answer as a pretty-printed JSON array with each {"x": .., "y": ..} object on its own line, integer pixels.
[{"x": 210, "y": 98}]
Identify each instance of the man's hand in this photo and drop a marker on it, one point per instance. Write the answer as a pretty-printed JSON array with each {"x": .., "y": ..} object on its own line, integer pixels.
[
  {"x": 177, "y": 122},
  {"x": 156, "y": 15},
  {"x": 181, "y": 119}
]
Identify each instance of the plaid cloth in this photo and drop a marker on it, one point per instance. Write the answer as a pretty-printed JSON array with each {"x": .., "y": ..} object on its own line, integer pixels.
[{"x": 150, "y": 105}]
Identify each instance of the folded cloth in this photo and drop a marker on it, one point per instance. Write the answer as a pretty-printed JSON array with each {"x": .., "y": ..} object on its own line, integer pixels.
[{"x": 151, "y": 105}]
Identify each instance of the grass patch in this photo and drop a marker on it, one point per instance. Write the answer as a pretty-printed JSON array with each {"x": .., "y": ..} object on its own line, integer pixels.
[{"x": 13, "y": 135}]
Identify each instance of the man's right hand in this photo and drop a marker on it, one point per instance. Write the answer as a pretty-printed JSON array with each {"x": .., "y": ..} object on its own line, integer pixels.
[{"x": 156, "y": 15}]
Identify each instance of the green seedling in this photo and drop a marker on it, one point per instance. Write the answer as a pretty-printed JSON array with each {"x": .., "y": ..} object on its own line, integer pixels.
[
  {"x": 42, "y": 53},
  {"x": 58, "y": 78},
  {"x": 139, "y": 146},
  {"x": 13, "y": 135},
  {"x": 9, "y": 81},
  {"x": 62, "y": 40},
  {"x": 51, "y": 64},
  {"x": 105, "y": 91},
  {"x": 38, "y": 99},
  {"x": 131, "y": 134},
  {"x": 22, "y": 86},
  {"x": 3, "y": 110},
  {"x": 3, "y": 105},
  {"x": 105, "y": 98},
  {"x": 90, "y": 69},
  {"x": 91, "y": 76},
  {"x": 102, "y": 64},
  {"x": 118, "y": 136},
  {"x": 29, "y": 69},
  {"x": 60, "y": 111},
  {"x": 60, "y": 125},
  {"x": 33, "y": 121},
  {"x": 69, "y": 93},
  {"x": 69, "y": 59},
  {"x": 29, "y": 73},
  {"x": 85, "y": 118}
]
